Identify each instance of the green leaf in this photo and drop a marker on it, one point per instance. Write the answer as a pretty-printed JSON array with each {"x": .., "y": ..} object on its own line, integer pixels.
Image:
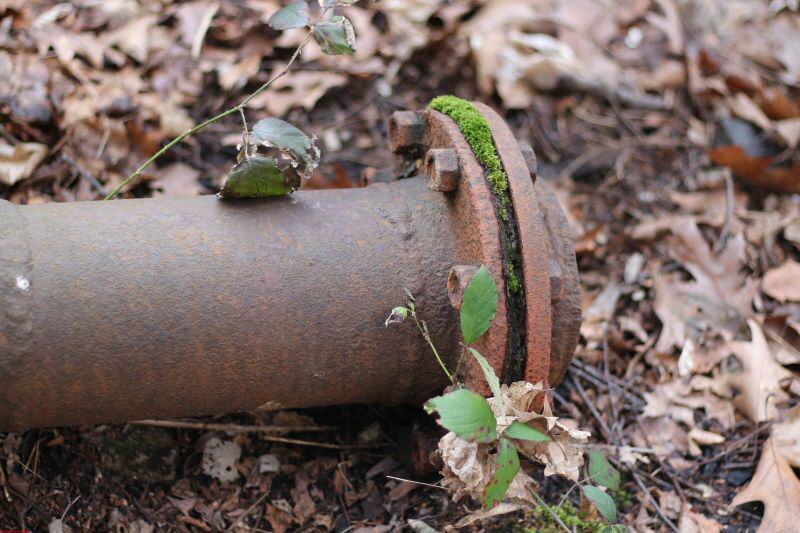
[
  {"x": 479, "y": 305},
  {"x": 518, "y": 430},
  {"x": 507, "y": 462},
  {"x": 601, "y": 471},
  {"x": 491, "y": 377},
  {"x": 466, "y": 414},
  {"x": 295, "y": 15},
  {"x": 274, "y": 132},
  {"x": 336, "y": 36},
  {"x": 602, "y": 501},
  {"x": 259, "y": 176}
]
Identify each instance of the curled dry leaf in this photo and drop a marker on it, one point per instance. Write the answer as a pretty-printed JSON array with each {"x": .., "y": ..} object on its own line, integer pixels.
[
  {"x": 563, "y": 454},
  {"x": 18, "y": 162},
  {"x": 776, "y": 485}
]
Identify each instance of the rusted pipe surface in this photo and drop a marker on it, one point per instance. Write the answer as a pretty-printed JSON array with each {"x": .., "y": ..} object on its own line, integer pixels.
[{"x": 175, "y": 307}]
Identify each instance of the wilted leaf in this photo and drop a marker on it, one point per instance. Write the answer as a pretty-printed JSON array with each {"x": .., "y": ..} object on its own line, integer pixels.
[
  {"x": 518, "y": 430},
  {"x": 397, "y": 315},
  {"x": 602, "y": 501},
  {"x": 479, "y": 305},
  {"x": 776, "y": 485},
  {"x": 259, "y": 176},
  {"x": 295, "y": 15},
  {"x": 466, "y": 414},
  {"x": 601, "y": 471},
  {"x": 491, "y": 377},
  {"x": 336, "y": 36},
  {"x": 507, "y": 463},
  {"x": 277, "y": 133}
]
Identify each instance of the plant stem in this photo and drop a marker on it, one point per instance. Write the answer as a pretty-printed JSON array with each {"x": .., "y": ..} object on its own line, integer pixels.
[
  {"x": 214, "y": 119},
  {"x": 423, "y": 329}
]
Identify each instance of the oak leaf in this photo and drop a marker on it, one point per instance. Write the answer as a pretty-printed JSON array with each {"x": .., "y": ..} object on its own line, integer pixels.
[
  {"x": 757, "y": 384},
  {"x": 776, "y": 485}
]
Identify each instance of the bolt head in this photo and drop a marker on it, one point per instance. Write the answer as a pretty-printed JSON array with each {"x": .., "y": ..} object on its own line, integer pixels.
[
  {"x": 442, "y": 169},
  {"x": 406, "y": 131}
]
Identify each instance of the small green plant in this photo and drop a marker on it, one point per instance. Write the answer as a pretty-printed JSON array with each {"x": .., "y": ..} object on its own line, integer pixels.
[
  {"x": 292, "y": 155},
  {"x": 470, "y": 417}
]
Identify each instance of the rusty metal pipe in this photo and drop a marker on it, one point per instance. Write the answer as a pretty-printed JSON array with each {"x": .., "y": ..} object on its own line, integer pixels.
[{"x": 113, "y": 311}]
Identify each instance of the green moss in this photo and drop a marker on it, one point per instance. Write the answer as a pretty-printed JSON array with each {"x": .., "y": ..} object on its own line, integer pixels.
[
  {"x": 540, "y": 520},
  {"x": 512, "y": 278},
  {"x": 476, "y": 131},
  {"x": 478, "y": 134}
]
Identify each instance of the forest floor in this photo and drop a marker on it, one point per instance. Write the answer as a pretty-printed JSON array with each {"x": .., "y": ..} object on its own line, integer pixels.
[{"x": 669, "y": 130}]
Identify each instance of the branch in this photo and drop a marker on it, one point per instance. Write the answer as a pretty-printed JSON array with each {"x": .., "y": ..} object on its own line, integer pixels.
[{"x": 202, "y": 125}]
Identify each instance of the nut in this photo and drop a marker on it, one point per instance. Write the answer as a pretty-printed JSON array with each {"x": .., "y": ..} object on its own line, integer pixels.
[
  {"x": 457, "y": 282},
  {"x": 406, "y": 131},
  {"x": 441, "y": 169},
  {"x": 530, "y": 158}
]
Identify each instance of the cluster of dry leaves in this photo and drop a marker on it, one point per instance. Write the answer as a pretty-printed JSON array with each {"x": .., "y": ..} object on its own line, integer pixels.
[{"x": 670, "y": 129}]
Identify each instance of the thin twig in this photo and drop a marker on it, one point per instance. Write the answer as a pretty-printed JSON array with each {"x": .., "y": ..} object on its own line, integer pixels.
[
  {"x": 543, "y": 504},
  {"x": 230, "y": 428},
  {"x": 214, "y": 119},
  {"x": 241, "y": 517},
  {"x": 417, "y": 482},
  {"x": 585, "y": 397},
  {"x": 653, "y": 501},
  {"x": 423, "y": 329},
  {"x": 284, "y": 440}
]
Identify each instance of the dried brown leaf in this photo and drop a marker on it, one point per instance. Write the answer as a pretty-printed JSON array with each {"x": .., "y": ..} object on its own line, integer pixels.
[
  {"x": 776, "y": 485},
  {"x": 757, "y": 384},
  {"x": 783, "y": 283}
]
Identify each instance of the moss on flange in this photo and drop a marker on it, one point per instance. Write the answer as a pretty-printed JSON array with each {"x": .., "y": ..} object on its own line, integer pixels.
[{"x": 478, "y": 134}]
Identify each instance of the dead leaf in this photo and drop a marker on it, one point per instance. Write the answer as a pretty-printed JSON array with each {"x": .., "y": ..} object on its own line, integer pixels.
[
  {"x": 691, "y": 522},
  {"x": 18, "y": 162},
  {"x": 744, "y": 107},
  {"x": 783, "y": 283},
  {"x": 786, "y": 435},
  {"x": 757, "y": 170},
  {"x": 776, "y": 485},
  {"x": 697, "y": 437},
  {"x": 758, "y": 383},
  {"x": 178, "y": 180},
  {"x": 719, "y": 295},
  {"x": 279, "y": 515}
]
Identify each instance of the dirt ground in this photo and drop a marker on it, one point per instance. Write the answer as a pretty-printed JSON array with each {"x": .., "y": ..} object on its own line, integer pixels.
[{"x": 669, "y": 130}]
